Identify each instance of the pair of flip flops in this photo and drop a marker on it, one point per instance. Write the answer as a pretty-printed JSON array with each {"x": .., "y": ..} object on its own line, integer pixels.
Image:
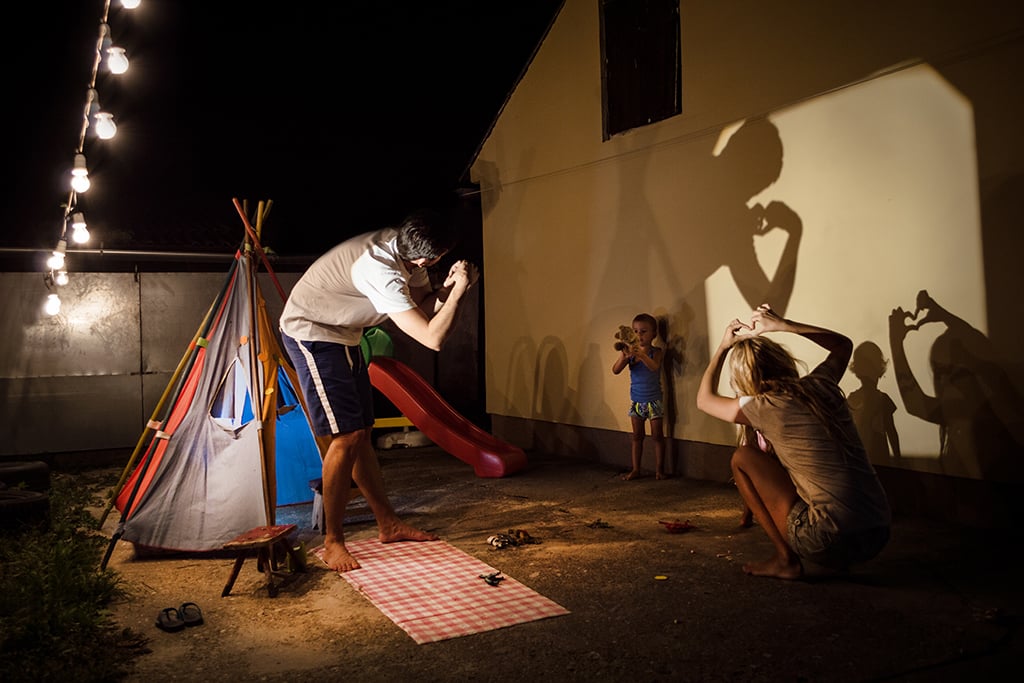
[{"x": 173, "y": 619}]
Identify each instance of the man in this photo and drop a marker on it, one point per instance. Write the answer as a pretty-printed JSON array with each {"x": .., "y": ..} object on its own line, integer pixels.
[{"x": 357, "y": 284}]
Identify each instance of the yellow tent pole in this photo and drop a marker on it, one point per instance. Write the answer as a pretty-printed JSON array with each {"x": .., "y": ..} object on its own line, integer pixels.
[
  {"x": 259, "y": 219},
  {"x": 156, "y": 412}
]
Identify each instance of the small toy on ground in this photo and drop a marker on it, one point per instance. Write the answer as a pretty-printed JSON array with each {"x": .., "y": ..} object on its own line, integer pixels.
[
  {"x": 492, "y": 579},
  {"x": 676, "y": 527}
]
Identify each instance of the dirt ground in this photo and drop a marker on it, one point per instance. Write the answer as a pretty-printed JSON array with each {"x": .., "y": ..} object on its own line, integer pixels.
[{"x": 939, "y": 604}]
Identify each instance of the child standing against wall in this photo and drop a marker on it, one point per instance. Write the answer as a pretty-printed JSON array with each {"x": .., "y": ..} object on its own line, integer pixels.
[{"x": 644, "y": 360}]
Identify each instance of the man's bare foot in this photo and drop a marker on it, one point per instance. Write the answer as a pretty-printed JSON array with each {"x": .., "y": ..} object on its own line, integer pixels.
[
  {"x": 337, "y": 557},
  {"x": 400, "y": 531},
  {"x": 775, "y": 568},
  {"x": 629, "y": 476},
  {"x": 661, "y": 475}
]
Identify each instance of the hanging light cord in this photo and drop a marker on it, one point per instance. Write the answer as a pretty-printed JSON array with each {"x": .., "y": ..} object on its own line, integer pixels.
[{"x": 105, "y": 128}]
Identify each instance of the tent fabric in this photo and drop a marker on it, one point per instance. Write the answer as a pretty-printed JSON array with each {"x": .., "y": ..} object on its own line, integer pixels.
[{"x": 223, "y": 461}]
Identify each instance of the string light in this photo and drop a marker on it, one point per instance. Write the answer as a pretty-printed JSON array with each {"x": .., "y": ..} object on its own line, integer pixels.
[
  {"x": 80, "y": 182},
  {"x": 80, "y": 233},
  {"x": 56, "y": 260},
  {"x": 117, "y": 60},
  {"x": 52, "y": 305},
  {"x": 105, "y": 128}
]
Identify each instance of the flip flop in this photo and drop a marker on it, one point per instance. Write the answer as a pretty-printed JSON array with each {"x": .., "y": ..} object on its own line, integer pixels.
[
  {"x": 169, "y": 620},
  {"x": 190, "y": 613}
]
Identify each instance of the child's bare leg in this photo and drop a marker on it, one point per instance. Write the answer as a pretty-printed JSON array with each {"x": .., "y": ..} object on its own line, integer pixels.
[
  {"x": 636, "y": 448},
  {"x": 658, "y": 434}
]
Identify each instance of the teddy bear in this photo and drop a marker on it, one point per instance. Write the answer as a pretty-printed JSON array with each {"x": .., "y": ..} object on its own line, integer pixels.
[{"x": 627, "y": 339}]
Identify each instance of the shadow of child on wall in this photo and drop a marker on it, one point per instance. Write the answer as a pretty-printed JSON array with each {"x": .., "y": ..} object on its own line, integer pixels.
[{"x": 873, "y": 409}]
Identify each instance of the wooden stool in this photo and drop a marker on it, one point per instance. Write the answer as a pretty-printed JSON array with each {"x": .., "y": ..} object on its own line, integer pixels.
[{"x": 265, "y": 539}]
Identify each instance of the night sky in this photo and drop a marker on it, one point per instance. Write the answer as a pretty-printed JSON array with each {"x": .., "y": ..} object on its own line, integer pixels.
[{"x": 346, "y": 114}]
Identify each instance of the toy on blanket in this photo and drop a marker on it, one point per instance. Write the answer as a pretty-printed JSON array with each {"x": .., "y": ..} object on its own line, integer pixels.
[{"x": 626, "y": 339}]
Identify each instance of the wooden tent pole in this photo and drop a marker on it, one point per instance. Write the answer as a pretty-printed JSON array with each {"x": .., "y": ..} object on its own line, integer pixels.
[{"x": 257, "y": 369}]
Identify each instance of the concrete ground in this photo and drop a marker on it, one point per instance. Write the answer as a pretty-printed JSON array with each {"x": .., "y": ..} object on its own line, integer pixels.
[{"x": 939, "y": 604}]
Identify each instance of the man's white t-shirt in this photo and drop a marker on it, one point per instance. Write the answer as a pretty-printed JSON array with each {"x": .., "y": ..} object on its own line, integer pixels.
[{"x": 353, "y": 286}]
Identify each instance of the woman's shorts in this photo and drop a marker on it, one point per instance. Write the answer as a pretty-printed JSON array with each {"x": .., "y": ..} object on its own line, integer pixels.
[{"x": 828, "y": 548}]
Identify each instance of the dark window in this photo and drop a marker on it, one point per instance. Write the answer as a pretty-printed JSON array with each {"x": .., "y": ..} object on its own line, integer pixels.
[{"x": 640, "y": 63}]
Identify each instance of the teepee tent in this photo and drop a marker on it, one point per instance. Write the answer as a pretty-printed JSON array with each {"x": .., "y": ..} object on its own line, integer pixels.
[{"x": 232, "y": 442}]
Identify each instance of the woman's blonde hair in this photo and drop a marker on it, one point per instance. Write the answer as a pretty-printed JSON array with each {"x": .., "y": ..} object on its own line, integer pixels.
[{"x": 761, "y": 366}]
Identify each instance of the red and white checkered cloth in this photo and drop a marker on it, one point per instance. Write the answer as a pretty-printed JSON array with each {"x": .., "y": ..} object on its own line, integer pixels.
[{"x": 433, "y": 591}]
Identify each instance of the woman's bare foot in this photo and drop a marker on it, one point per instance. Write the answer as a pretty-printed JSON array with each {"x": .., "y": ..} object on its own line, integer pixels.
[
  {"x": 629, "y": 476},
  {"x": 337, "y": 557},
  {"x": 400, "y": 531},
  {"x": 775, "y": 568},
  {"x": 661, "y": 475},
  {"x": 746, "y": 519}
]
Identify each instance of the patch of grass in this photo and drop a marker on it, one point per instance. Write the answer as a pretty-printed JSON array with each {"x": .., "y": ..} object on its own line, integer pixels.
[{"x": 54, "y": 621}]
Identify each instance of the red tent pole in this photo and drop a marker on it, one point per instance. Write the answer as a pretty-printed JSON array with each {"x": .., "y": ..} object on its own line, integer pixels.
[{"x": 259, "y": 248}]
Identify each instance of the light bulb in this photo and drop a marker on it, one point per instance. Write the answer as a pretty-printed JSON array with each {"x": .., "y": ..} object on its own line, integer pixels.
[
  {"x": 56, "y": 260},
  {"x": 52, "y": 306},
  {"x": 130, "y": 4},
  {"x": 117, "y": 60},
  {"x": 105, "y": 126},
  {"x": 81, "y": 232},
  {"x": 80, "y": 175},
  {"x": 61, "y": 278}
]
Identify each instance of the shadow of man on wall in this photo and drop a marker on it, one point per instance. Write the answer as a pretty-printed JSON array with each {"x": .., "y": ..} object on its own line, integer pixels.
[{"x": 976, "y": 407}]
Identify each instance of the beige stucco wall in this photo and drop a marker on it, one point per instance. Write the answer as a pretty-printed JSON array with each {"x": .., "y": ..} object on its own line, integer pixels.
[{"x": 899, "y": 150}]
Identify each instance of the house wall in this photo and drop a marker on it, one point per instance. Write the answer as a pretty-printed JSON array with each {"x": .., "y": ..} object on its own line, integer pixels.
[{"x": 879, "y": 142}]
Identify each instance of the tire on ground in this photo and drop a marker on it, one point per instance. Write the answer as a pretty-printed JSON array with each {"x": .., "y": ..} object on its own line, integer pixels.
[
  {"x": 33, "y": 475},
  {"x": 21, "y": 510}
]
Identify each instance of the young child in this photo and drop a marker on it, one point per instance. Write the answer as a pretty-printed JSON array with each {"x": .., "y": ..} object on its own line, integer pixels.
[{"x": 644, "y": 361}]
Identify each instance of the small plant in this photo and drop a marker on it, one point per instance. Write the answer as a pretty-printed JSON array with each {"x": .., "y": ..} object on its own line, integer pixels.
[{"x": 54, "y": 622}]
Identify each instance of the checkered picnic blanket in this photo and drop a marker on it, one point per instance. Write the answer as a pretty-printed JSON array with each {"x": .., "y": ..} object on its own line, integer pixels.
[{"x": 434, "y": 591}]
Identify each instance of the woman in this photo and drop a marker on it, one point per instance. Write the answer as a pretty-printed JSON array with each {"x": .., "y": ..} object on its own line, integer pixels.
[{"x": 820, "y": 499}]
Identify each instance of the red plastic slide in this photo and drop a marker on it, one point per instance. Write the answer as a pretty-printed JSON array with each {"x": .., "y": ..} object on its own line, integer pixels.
[{"x": 442, "y": 424}]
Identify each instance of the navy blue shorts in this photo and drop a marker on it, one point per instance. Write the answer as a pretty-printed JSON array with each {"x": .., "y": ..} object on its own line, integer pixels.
[{"x": 335, "y": 384}]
